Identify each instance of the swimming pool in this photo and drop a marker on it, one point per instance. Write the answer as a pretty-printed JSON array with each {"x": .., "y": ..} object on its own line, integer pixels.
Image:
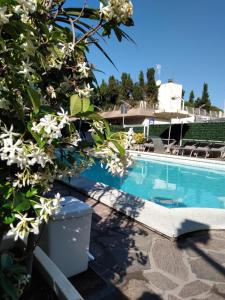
[{"x": 168, "y": 184}]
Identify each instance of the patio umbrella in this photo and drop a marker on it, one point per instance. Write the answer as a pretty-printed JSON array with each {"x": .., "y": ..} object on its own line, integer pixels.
[{"x": 172, "y": 115}]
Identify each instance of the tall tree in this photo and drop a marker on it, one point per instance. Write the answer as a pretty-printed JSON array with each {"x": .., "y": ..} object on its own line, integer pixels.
[
  {"x": 137, "y": 93},
  {"x": 204, "y": 101},
  {"x": 191, "y": 98},
  {"x": 141, "y": 80},
  {"x": 151, "y": 88},
  {"x": 205, "y": 97},
  {"x": 113, "y": 90},
  {"x": 103, "y": 91},
  {"x": 126, "y": 87}
]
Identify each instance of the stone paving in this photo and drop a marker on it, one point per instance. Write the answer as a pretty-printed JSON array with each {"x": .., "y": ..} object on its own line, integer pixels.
[{"x": 135, "y": 263}]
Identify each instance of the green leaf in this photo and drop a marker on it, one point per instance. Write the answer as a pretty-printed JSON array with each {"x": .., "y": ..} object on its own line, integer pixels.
[
  {"x": 23, "y": 206},
  {"x": 75, "y": 105},
  {"x": 92, "y": 116},
  {"x": 32, "y": 192},
  {"x": 86, "y": 104},
  {"x": 9, "y": 219},
  {"x": 21, "y": 203},
  {"x": 6, "y": 261},
  {"x": 119, "y": 147},
  {"x": 35, "y": 99}
]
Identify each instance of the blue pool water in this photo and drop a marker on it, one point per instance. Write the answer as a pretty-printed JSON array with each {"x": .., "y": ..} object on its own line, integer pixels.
[{"x": 167, "y": 184}]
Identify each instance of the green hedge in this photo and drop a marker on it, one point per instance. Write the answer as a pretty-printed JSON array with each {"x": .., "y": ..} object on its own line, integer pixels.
[{"x": 195, "y": 131}]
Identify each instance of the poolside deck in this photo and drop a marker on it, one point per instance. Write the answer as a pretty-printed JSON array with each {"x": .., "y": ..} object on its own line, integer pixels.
[{"x": 132, "y": 262}]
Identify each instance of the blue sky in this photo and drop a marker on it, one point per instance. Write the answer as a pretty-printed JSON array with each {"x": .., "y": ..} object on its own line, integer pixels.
[{"x": 186, "y": 37}]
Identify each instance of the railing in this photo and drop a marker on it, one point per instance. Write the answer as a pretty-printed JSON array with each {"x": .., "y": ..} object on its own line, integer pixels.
[
  {"x": 190, "y": 110},
  {"x": 144, "y": 105},
  {"x": 202, "y": 112}
]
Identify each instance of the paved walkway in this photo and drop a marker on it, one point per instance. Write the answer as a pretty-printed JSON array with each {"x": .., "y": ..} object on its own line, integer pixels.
[{"x": 132, "y": 262}]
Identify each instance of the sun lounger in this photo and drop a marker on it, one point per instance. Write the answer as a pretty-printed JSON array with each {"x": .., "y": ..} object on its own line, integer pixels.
[
  {"x": 216, "y": 150},
  {"x": 188, "y": 148},
  {"x": 159, "y": 146},
  {"x": 202, "y": 148},
  {"x": 149, "y": 146}
]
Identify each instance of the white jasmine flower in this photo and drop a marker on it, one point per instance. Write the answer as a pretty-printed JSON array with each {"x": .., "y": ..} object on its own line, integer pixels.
[
  {"x": 4, "y": 18},
  {"x": 83, "y": 69},
  {"x": 99, "y": 125},
  {"x": 26, "y": 69},
  {"x": 22, "y": 228},
  {"x": 67, "y": 48},
  {"x": 27, "y": 6},
  {"x": 51, "y": 91},
  {"x": 120, "y": 10},
  {"x": 46, "y": 207},
  {"x": 118, "y": 166},
  {"x": 64, "y": 118},
  {"x": 75, "y": 139},
  {"x": 129, "y": 139},
  {"x": 86, "y": 92},
  {"x": 8, "y": 133},
  {"x": 50, "y": 126}
]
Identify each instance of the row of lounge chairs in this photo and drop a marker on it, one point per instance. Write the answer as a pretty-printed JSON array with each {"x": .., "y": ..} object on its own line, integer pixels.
[{"x": 191, "y": 147}]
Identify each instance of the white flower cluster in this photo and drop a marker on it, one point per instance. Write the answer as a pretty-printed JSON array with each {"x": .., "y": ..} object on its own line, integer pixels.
[
  {"x": 75, "y": 139},
  {"x": 118, "y": 166},
  {"x": 45, "y": 208},
  {"x": 83, "y": 70},
  {"x": 99, "y": 125},
  {"x": 51, "y": 91},
  {"x": 4, "y": 17},
  {"x": 120, "y": 10},
  {"x": 24, "y": 226},
  {"x": 14, "y": 151},
  {"x": 26, "y": 69},
  {"x": 85, "y": 92},
  {"x": 24, "y": 8},
  {"x": 129, "y": 140},
  {"x": 50, "y": 126},
  {"x": 27, "y": 178},
  {"x": 67, "y": 49}
]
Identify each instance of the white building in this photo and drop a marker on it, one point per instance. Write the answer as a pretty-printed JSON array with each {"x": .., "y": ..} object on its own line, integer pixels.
[{"x": 170, "y": 97}]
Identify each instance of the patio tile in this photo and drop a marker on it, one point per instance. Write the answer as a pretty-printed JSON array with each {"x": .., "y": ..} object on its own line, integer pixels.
[
  {"x": 172, "y": 297},
  {"x": 138, "y": 289},
  {"x": 194, "y": 288},
  {"x": 169, "y": 259},
  {"x": 208, "y": 269},
  {"x": 160, "y": 281}
]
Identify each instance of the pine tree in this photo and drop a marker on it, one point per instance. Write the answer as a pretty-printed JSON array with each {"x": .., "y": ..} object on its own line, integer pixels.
[
  {"x": 126, "y": 87},
  {"x": 113, "y": 91},
  {"x": 137, "y": 93},
  {"x": 205, "y": 97},
  {"x": 151, "y": 88},
  {"x": 191, "y": 98},
  {"x": 141, "y": 80},
  {"x": 103, "y": 90},
  {"x": 204, "y": 101}
]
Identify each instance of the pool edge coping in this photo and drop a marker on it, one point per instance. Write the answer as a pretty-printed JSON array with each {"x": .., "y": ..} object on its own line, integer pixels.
[{"x": 170, "y": 222}]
